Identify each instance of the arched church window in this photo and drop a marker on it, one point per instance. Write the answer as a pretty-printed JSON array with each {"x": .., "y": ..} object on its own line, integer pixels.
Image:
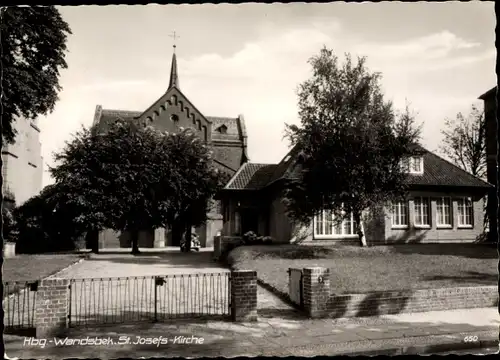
[{"x": 205, "y": 133}]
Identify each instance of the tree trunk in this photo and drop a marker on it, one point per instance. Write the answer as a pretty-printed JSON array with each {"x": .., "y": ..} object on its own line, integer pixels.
[
  {"x": 359, "y": 228},
  {"x": 188, "y": 236},
  {"x": 177, "y": 232},
  {"x": 135, "y": 240},
  {"x": 92, "y": 240}
]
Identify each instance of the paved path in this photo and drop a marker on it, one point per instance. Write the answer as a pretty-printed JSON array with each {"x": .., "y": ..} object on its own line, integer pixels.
[{"x": 285, "y": 336}]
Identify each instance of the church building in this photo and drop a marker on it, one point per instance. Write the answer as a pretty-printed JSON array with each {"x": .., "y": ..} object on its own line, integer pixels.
[{"x": 225, "y": 135}]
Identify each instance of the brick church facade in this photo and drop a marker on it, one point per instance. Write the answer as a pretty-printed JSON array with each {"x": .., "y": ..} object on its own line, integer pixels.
[{"x": 173, "y": 110}]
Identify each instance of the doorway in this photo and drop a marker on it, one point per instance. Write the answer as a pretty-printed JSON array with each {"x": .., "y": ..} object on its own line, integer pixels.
[{"x": 249, "y": 220}]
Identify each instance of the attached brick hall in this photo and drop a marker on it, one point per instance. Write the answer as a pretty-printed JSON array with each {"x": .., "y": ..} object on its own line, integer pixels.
[{"x": 445, "y": 204}]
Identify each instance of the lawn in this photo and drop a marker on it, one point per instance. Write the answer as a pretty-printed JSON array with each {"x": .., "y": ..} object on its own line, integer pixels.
[
  {"x": 35, "y": 267},
  {"x": 357, "y": 270}
]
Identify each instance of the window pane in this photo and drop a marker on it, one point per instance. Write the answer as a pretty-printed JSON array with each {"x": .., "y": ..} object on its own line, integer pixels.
[
  {"x": 447, "y": 212},
  {"x": 461, "y": 212},
  {"x": 469, "y": 212},
  {"x": 328, "y": 222},
  {"x": 425, "y": 211},
  {"x": 443, "y": 207},
  {"x": 418, "y": 211},
  {"x": 319, "y": 223},
  {"x": 347, "y": 226},
  {"x": 337, "y": 230},
  {"x": 404, "y": 211}
]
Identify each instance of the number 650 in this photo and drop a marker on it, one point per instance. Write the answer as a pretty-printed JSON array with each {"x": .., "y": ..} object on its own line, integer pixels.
[{"x": 471, "y": 338}]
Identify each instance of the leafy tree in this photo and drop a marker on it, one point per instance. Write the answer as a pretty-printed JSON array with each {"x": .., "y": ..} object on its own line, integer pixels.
[
  {"x": 137, "y": 178},
  {"x": 464, "y": 141},
  {"x": 48, "y": 221},
  {"x": 351, "y": 143},
  {"x": 33, "y": 46}
]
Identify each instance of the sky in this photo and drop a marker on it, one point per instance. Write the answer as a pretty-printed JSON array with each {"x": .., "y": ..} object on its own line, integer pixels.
[{"x": 249, "y": 59}]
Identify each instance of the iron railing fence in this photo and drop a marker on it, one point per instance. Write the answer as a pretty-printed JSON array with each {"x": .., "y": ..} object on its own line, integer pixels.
[
  {"x": 148, "y": 298},
  {"x": 19, "y": 300}
]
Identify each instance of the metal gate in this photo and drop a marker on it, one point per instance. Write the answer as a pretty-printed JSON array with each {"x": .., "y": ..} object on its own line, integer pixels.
[
  {"x": 148, "y": 298},
  {"x": 295, "y": 288},
  {"x": 19, "y": 301}
]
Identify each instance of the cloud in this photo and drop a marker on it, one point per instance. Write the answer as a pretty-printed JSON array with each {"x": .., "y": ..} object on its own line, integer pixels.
[
  {"x": 429, "y": 47},
  {"x": 260, "y": 79}
]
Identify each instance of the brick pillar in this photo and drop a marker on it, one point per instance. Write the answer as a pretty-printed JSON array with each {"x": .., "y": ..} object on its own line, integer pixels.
[
  {"x": 316, "y": 285},
  {"x": 217, "y": 247},
  {"x": 159, "y": 238},
  {"x": 51, "y": 309},
  {"x": 244, "y": 295}
]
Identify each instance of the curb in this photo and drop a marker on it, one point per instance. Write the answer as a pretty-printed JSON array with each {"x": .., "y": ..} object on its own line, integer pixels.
[{"x": 428, "y": 349}]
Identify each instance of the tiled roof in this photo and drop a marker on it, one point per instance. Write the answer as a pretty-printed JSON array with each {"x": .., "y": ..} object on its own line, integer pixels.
[
  {"x": 106, "y": 117},
  {"x": 437, "y": 172},
  {"x": 251, "y": 177},
  {"x": 440, "y": 172},
  {"x": 228, "y": 155}
]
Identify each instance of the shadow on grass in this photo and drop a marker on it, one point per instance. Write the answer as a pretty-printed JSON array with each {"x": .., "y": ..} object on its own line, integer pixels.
[
  {"x": 471, "y": 251},
  {"x": 408, "y": 244}
]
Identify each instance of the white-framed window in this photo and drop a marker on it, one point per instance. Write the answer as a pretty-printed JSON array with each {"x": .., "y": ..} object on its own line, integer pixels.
[
  {"x": 325, "y": 226},
  {"x": 413, "y": 165},
  {"x": 422, "y": 212},
  {"x": 443, "y": 212},
  {"x": 399, "y": 214},
  {"x": 465, "y": 212},
  {"x": 416, "y": 165}
]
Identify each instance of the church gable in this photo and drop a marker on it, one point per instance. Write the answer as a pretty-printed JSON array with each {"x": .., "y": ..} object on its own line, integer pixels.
[{"x": 173, "y": 111}]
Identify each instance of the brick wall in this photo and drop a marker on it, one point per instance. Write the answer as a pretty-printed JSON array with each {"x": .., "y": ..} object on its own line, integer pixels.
[
  {"x": 244, "y": 295},
  {"x": 51, "y": 308},
  {"x": 320, "y": 301}
]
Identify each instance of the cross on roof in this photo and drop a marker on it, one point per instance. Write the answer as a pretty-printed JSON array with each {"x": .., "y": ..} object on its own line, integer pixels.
[{"x": 175, "y": 37}]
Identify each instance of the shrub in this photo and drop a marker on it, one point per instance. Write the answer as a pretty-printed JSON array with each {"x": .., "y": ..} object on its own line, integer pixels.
[
  {"x": 250, "y": 238},
  {"x": 267, "y": 240},
  {"x": 9, "y": 226}
]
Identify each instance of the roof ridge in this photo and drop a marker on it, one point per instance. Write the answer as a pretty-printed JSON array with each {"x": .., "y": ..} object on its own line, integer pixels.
[
  {"x": 121, "y": 111},
  {"x": 262, "y": 164},
  {"x": 222, "y": 117}
]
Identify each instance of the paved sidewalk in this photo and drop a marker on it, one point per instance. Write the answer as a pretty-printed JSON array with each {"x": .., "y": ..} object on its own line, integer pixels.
[{"x": 289, "y": 334}]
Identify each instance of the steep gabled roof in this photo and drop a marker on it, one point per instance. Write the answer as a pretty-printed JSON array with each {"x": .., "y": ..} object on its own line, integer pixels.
[{"x": 251, "y": 177}]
